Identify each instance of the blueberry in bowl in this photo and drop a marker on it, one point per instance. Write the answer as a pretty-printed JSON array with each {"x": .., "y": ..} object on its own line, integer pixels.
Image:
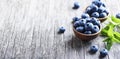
[
  {"x": 87, "y": 29},
  {"x": 98, "y": 10}
]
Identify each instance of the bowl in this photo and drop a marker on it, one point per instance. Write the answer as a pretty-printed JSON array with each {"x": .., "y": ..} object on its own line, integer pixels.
[
  {"x": 86, "y": 37},
  {"x": 103, "y": 19}
]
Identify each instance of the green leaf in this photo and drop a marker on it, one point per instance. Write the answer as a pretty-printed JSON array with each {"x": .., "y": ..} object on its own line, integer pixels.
[
  {"x": 109, "y": 43},
  {"x": 117, "y": 35},
  {"x": 114, "y": 20}
]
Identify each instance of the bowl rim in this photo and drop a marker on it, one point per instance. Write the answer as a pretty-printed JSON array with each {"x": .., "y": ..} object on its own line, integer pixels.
[{"x": 88, "y": 34}]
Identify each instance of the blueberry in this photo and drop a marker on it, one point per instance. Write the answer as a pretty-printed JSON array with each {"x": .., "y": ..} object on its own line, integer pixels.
[
  {"x": 97, "y": 22},
  {"x": 88, "y": 10},
  {"x": 94, "y": 48},
  {"x": 95, "y": 14},
  {"x": 118, "y": 15},
  {"x": 95, "y": 29},
  {"x": 88, "y": 19},
  {"x": 102, "y": 15},
  {"x": 75, "y": 19},
  {"x": 87, "y": 32},
  {"x": 93, "y": 20},
  {"x": 85, "y": 15},
  {"x": 103, "y": 52},
  {"x": 98, "y": 3},
  {"x": 101, "y": 9},
  {"x": 82, "y": 22},
  {"x": 88, "y": 26},
  {"x": 76, "y": 24},
  {"x": 61, "y": 30},
  {"x": 93, "y": 7},
  {"x": 80, "y": 29},
  {"x": 106, "y": 11},
  {"x": 76, "y": 5}
]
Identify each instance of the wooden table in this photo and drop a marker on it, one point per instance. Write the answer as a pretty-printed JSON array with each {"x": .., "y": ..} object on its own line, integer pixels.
[{"x": 28, "y": 30}]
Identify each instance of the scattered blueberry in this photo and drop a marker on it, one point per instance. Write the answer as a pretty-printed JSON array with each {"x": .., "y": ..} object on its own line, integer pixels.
[
  {"x": 80, "y": 29},
  {"x": 95, "y": 29},
  {"x": 88, "y": 26},
  {"x": 87, "y": 32},
  {"x": 95, "y": 14},
  {"x": 75, "y": 19},
  {"x": 118, "y": 15},
  {"x": 85, "y": 15},
  {"x": 103, "y": 52},
  {"x": 94, "y": 49},
  {"x": 76, "y": 5},
  {"x": 61, "y": 30},
  {"x": 102, "y": 15},
  {"x": 82, "y": 22}
]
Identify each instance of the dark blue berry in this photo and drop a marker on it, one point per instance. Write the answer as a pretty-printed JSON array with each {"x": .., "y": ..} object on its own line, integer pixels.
[
  {"x": 75, "y": 19},
  {"x": 103, "y": 52},
  {"x": 82, "y": 22},
  {"x": 94, "y": 49},
  {"x": 102, "y": 15},
  {"x": 87, "y": 32},
  {"x": 98, "y": 3},
  {"x": 76, "y": 24},
  {"x": 85, "y": 15},
  {"x": 95, "y": 14},
  {"x": 95, "y": 29},
  {"x": 76, "y": 5},
  {"x": 101, "y": 9},
  {"x": 94, "y": 8},
  {"x": 80, "y": 29},
  {"x": 106, "y": 11},
  {"x": 88, "y": 26},
  {"x": 61, "y": 30},
  {"x": 118, "y": 15}
]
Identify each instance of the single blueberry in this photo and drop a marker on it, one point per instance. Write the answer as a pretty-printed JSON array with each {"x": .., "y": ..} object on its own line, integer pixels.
[
  {"x": 95, "y": 29},
  {"x": 80, "y": 29},
  {"x": 98, "y": 3},
  {"x": 93, "y": 20},
  {"x": 61, "y": 30},
  {"x": 76, "y": 5},
  {"x": 75, "y": 19},
  {"x": 88, "y": 10},
  {"x": 94, "y": 8},
  {"x": 101, "y": 9},
  {"x": 82, "y": 22},
  {"x": 118, "y": 15},
  {"x": 76, "y": 24},
  {"x": 102, "y": 15},
  {"x": 103, "y": 52},
  {"x": 95, "y": 14},
  {"x": 94, "y": 48},
  {"x": 88, "y": 26},
  {"x": 85, "y": 15},
  {"x": 88, "y": 19},
  {"x": 87, "y": 32},
  {"x": 97, "y": 22},
  {"x": 106, "y": 11}
]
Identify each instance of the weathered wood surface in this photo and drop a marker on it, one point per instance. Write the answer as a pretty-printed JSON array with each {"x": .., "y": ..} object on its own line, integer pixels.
[{"x": 28, "y": 30}]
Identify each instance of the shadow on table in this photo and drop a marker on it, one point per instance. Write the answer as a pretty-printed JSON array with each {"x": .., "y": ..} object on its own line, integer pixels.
[{"x": 77, "y": 44}]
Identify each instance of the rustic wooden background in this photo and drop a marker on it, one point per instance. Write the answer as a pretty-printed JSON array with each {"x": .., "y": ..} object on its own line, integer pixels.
[{"x": 28, "y": 30}]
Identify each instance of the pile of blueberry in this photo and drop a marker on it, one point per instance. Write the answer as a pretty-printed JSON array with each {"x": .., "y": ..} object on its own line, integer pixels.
[
  {"x": 97, "y": 9},
  {"x": 86, "y": 25}
]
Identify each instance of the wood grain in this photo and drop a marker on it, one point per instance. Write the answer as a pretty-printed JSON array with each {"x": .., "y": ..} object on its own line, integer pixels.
[{"x": 29, "y": 29}]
